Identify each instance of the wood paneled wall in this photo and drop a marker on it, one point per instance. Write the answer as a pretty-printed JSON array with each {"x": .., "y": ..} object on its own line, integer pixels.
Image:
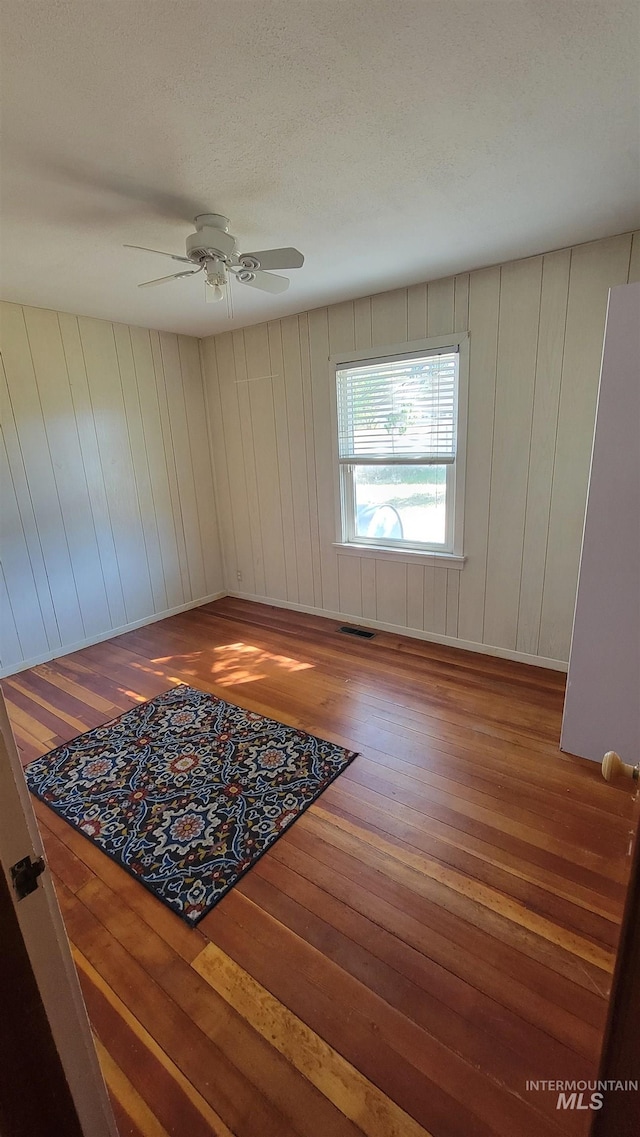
[
  {"x": 108, "y": 510},
  {"x": 536, "y": 330},
  {"x": 108, "y": 505}
]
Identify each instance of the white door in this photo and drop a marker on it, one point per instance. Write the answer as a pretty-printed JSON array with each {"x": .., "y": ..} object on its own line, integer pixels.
[
  {"x": 601, "y": 710},
  {"x": 48, "y": 947}
]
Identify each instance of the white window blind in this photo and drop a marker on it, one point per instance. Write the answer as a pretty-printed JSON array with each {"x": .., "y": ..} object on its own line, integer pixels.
[{"x": 398, "y": 411}]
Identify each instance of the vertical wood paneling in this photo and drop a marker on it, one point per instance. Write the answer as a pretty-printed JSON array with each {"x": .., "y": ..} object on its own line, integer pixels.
[
  {"x": 453, "y": 601},
  {"x": 417, "y": 312},
  {"x": 440, "y": 307},
  {"x": 460, "y": 324},
  {"x": 389, "y": 318},
  {"x": 321, "y": 377},
  {"x": 172, "y": 471},
  {"x": 174, "y": 386},
  {"x": 362, "y": 322},
  {"x": 312, "y": 480},
  {"x": 283, "y": 454},
  {"x": 594, "y": 269},
  {"x": 439, "y": 610},
  {"x": 342, "y": 338},
  {"x": 260, "y": 392},
  {"x": 526, "y": 465},
  {"x": 298, "y": 460},
  {"x": 369, "y": 587},
  {"x": 140, "y": 464},
  {"x": 27, "y": 516},
  {"x": 105, "y": 387},
  {"x": 10, "y": 646},
  {"x": 200, "y": 461},
  {"x": 96, "y": 496},
  {"x": 517, "y": 339},
  {"x": 484, "y": 307},
  {"x": 24, "y": 407},
  {"x": 81, "y": 398},
  {"x": 553, "y": 309},
  {"x": 247, "y": 452},
  {"x": 415, "y": 596},
  {"x": 156, "y": 463},
  {"x": 461, "y": 303},
  {"x": 220, "y": 470},
  {"x": 342, "y": 328},
  {"x": 350, "y": 586},
  {"x": 429, "y": 599},
  {"x": 230, "y": 429},
  {"x": 54, "y": 393},
  {"x": 29, "y": 637},
  {"x": 391, "y": 589}
]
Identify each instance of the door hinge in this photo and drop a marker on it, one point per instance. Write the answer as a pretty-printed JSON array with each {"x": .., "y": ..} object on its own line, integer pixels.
[{"x": 24, "y": 875}]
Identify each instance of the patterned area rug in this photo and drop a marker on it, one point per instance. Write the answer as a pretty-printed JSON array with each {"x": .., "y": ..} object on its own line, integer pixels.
[{"x": 186, "y": 791}]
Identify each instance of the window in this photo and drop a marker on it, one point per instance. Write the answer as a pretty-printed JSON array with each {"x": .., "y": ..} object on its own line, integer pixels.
[{"x": 400, "y": 419}]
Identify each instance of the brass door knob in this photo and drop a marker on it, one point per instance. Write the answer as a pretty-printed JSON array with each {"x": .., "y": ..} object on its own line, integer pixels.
[{"x": 613, "y": 766}]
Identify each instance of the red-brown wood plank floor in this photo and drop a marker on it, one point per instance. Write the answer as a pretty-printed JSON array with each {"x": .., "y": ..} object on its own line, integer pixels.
[{"x": 435, "y": 932}]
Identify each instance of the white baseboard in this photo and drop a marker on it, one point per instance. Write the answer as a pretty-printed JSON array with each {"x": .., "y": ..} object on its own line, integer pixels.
[
  {"x": 413, "y": 633},
  {"x": 111, "y": 633},
  {"x": 344, "y": 617}
]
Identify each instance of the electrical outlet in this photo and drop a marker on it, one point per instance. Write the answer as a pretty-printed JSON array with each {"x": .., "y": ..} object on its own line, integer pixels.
[{"x": 239, "y": 575}]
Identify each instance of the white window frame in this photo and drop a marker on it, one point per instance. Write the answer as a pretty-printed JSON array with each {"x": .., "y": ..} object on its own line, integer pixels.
[{"x": 347, "y": 542}]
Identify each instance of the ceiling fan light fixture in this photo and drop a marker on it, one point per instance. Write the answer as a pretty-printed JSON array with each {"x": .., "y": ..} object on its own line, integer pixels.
[{"x": 214, "y": 293}]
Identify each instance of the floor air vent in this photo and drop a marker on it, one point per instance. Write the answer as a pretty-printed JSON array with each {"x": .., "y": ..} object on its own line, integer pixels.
[{"x": 364, "y": 635}]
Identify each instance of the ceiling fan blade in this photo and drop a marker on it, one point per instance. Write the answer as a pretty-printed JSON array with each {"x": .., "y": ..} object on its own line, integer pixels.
[
  {"x": 159, "y": 252},
  {"x": 174, "y": 276},
  {"x": 265, "y": 281},
  {"x": 272, "y": 258}
]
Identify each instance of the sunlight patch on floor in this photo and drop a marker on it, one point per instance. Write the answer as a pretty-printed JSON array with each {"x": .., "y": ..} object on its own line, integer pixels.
[
  {"x": 232, "y": 664},
  {"x": 244, "y": 663},
  {"x": 135, "y": 696}
]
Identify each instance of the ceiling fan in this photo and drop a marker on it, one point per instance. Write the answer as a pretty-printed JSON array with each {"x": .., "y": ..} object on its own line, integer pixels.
[{"x": 213, "y": 250}]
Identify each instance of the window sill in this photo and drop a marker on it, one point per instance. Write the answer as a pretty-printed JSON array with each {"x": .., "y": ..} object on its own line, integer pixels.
[{"x": 406, "y": 556}]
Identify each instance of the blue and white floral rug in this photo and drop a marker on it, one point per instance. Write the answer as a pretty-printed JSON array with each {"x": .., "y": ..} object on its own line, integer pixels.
[{"x": 186, "y": 791}]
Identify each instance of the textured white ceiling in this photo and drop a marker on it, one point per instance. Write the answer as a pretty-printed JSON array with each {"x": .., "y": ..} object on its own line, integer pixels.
[{"x": 390, "y": 140}]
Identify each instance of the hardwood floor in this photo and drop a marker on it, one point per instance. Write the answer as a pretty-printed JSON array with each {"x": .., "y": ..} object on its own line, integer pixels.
[{"x": 438, "y": 929}]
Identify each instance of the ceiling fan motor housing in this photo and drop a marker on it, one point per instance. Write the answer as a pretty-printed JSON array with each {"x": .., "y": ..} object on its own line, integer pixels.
[{"x": 210, "y": 242}]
